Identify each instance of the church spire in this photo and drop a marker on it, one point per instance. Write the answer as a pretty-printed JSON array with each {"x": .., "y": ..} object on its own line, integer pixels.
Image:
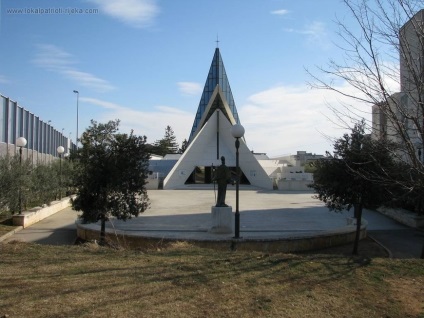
[{"x": 216, "y": 76}]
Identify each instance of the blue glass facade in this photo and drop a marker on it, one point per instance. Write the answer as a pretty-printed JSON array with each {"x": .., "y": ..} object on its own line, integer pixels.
[
  {"x": 15, "y": 121},
  {"x": 216, "y": 76}
]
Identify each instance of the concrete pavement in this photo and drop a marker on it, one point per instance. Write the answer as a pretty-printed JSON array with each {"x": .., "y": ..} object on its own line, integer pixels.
[
  {"x": 58, "y": 229},
  {"x": 401, "y": 240},
  {"x": 407, "y": 243},
  {"x": 186, "y": 214}
]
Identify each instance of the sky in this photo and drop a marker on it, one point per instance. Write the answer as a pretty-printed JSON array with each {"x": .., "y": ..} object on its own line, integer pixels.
[{"x": 145, "y": 62}]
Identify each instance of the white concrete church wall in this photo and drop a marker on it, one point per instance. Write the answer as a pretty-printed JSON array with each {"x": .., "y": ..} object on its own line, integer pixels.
[
  {"x": 202, "y": 151},
  {"x": 195, "y": 155},
  {"x": 253, "y": 171}
]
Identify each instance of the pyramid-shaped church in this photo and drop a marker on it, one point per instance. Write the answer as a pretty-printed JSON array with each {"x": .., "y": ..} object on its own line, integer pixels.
[
  {"x": 210, "y": 137},
  {"x": 217, "y": 77}
]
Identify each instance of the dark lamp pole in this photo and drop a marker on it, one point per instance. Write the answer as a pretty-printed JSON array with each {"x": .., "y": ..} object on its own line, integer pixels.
[
  {"x": 237, "y": 131},
  {"x": 20, "y": 142},
  {"x": 60, "y": 151}
]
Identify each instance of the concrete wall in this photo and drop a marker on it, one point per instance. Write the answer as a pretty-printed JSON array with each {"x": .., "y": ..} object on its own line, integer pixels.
[
  {"x": 286, "y": 245},
  {"x": 295, "y": 173},
  {"x": 294, "y": 185},
  {"x": 35, "y": 157},
  {"x": 403, "y": 216},
  {"x": 37, "y": 214},
  {"x": 202, "y": 151},
  {"x": 152, "y": 184}
]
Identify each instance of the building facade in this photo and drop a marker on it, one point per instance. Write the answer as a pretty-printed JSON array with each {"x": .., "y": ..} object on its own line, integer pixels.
[
  {"x": 400, "y": 118},
  {"x": 42, "y": 138}
]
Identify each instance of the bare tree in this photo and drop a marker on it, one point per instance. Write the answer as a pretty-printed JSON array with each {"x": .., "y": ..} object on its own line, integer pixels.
[{"x": 383, "y": 65}]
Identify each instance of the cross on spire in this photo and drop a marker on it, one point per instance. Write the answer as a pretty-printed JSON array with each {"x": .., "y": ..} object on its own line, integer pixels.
[{"x": 217, "y": 41}]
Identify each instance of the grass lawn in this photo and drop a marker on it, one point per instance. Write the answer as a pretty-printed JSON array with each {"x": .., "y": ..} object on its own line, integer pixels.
[
  {"x": 6, "y": 225},
  {"x": 185, "y": 281},
  {"x": 4, "y": 229}
]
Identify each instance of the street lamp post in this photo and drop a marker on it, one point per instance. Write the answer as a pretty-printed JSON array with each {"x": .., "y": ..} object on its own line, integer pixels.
[
  {"x": 60, "y": 151},
  {"x": 76, "y": 92},
  {"x": 66, "y": 156},
  {"x": 20, "y": 142},
  {"x": 237, "y": 131}
]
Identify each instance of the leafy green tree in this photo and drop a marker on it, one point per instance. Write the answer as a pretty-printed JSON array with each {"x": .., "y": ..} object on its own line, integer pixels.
[
  {"x": 310, "y": 167},
  {"x": 167, "y": 145},
  {"x": 184, "y": 146},
  {"x": 15, "y": 183},
  {"x": 7, "y": 184},
  {"x": 67, "y": 186},
  {"x": 45, "y": 184},
  {"x": 110, "y": 174},
  {"x": 355, "y": 175}
]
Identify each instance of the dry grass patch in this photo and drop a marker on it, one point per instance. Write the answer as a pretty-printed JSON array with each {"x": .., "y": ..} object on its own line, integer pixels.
[
  {"x": 6, "y": 225},
  {"x": 185, "y": 281},
  {"x": 410, "y": 291}
]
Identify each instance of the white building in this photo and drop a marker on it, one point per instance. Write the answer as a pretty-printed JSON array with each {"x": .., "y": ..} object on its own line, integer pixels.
[{"x": 210, "y": 138}]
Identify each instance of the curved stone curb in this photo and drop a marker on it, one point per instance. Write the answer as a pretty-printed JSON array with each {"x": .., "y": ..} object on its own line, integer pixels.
[
  {"x": 9, "y": 234},
  {"x": 389, "y": 252},
  {"x": 289, "y": 244}
]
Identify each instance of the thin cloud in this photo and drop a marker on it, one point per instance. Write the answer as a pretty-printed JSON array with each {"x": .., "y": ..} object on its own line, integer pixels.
[
  {"x": 285, "y": 119},
  {"x": 53, "y": 58},
  {"x": 279, "y": 120},
  {"x": 57, "y": 60},
  {"x": 149, "y": 123},
  {"x": 189, "y": 88},
  {"x": 315, "y": 33},
  {"x": 135, "y": 13},
  {"x": 89, "y": 80},
  {"x": 101, "y": 103},
  {"x": 280, "y": 12}
]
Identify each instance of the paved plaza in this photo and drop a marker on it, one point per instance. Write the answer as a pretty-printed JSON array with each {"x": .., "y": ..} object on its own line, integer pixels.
[{"x": 186, "y": 214}]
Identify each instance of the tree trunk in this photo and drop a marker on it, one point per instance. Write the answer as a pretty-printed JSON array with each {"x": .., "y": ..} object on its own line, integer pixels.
[
  {"x": 358, "y": 207},
  {"x": 422, "y": 252},
  {"x": 103, "y": 230},
  {"x": 355, "y": 210}
]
